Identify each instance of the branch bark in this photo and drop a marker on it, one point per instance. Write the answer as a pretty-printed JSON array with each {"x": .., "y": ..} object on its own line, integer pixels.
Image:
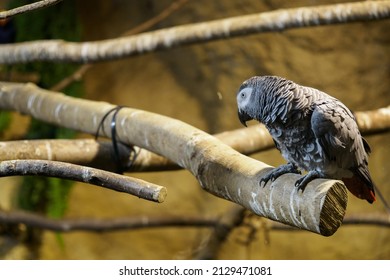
[
  {"x": 219, "y": 169},
  {"x": 28, "y": 8},
  {"x": 279, "y": 20},
  {"x": 112, "y": 181}
]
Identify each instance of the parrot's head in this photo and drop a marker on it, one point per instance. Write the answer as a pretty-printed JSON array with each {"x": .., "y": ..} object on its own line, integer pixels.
[
  {"x": 247, "y": 98},
  {"x": 257, "y": 96}
]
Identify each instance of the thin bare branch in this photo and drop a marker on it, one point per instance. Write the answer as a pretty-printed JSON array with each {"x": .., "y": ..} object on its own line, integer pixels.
[
  {"x": 28, "y": 8},
  {"x": 224, "y": 224},
  {"x": 80, "y": 72},
  {"x": 101, "y": 225},
  {"x": 112, "y": 181},
  {"x": 219, "y": 169},
  {"x": 173, "y": 7},
  {"x": 371, "y": 219},
  {"x": 74, "y": 77},
  {"x": 279, "y": 20},
  {"x": 220, "y": 232}
]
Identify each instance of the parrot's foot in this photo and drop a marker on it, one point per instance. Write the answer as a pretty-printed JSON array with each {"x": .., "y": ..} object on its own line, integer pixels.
[
  {"x": 302, "y": 182},
  {"x": 278, "y": 171}
]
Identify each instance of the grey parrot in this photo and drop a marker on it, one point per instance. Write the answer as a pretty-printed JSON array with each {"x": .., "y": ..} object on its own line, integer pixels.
[{"x": 313, "y": 131}]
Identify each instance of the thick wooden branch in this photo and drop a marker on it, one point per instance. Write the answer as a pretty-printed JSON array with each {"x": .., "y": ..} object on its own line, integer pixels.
[
  {"x": 88, "y": 152},
  {"x": 374, "y": 121},
  {"x": 97, "y": 153},
  {"x": 219, "y": 169},
  {"x": 279, "y": 20},
  {"x": 28, "y": 8},
  {"x": 112, "y": 181}
]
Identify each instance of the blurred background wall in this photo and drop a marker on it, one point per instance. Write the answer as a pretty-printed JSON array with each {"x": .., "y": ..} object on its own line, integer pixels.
[{"x": 197, "y": 84}]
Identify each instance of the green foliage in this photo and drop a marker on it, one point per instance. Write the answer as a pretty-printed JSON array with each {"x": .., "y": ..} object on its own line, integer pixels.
[
  {"x": 5, "y": 121},
  {"x": 58, "y": 196},
  {"x": 48, "y": 195}
]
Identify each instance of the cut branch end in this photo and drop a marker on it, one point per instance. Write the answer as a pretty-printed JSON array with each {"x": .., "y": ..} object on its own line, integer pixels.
[{"x": 333, "y": 209}]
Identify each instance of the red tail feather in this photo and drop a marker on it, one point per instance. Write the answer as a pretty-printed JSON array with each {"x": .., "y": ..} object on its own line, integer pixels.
[{"x": 359, "y": 189}]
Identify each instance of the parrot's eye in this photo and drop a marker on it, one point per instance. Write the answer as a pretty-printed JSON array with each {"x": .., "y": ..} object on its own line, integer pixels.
[{"x": 242, "y": 94}]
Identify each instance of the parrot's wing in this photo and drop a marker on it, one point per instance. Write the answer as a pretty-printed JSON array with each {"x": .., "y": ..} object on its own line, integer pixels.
[
  {"x": 338, "y": 135},
  {"x": 337, "y": 132}
]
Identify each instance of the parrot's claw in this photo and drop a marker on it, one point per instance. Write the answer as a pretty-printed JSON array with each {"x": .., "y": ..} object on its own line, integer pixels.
[
  {"x": 302, "y": 182},
  {"x": 266, "y": 178},
  {"x": 278, "y": 171}
]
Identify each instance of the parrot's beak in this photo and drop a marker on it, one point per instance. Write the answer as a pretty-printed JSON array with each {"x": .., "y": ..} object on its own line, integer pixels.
[{"x": 243, "y": 117}]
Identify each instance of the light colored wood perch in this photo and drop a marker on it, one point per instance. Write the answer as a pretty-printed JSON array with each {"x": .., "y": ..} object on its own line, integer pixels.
[
  {"x": 374, "y": 121},
  {"x": 219, "y": 169},
  {"x": 97, "y": 153},
  {"x": 279, "y": 20}
]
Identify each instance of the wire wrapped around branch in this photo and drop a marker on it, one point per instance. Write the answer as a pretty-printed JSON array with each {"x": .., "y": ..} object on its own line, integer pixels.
[{"x": 98, "y": 153}]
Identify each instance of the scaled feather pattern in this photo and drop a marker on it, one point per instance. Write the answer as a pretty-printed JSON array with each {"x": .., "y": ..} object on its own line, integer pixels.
[{"x": 313, "y": 131}]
